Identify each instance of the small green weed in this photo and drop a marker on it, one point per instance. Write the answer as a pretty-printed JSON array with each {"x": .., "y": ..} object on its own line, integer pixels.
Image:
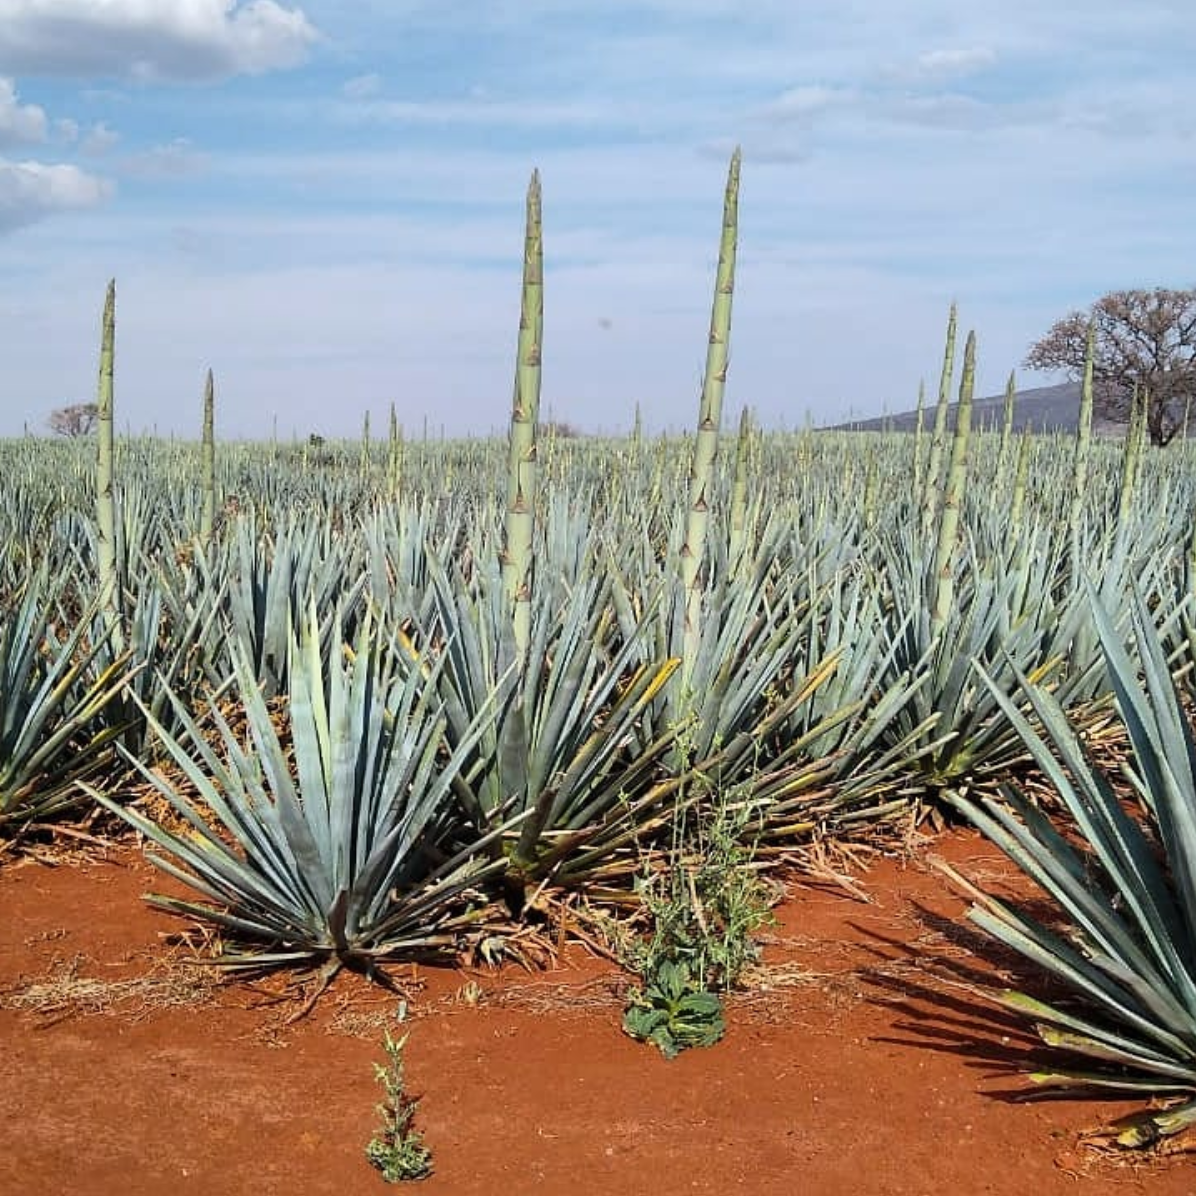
[
  {"x": 673, "y": 1012},
  {"x": 705, "y": 907},
  {"x": 397, "y": 1149}
]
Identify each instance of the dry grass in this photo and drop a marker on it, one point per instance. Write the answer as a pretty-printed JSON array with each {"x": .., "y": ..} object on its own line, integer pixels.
[{"x": 70, "y": 988}]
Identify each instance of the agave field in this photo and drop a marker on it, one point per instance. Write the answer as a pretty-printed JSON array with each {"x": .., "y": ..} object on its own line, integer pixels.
[{"x": 396, "y": 700}]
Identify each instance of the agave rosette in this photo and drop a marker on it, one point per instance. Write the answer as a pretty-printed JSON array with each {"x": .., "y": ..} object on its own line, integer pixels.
[
  {"x": 1125, "y": 889},
  {"x": 53, "y": 732},
  {"x": 354, "y": 856},
  {"x": 564, "y": 737}
]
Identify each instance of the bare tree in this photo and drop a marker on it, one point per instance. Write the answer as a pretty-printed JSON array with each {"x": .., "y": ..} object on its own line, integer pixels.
[
  {"x": 1144, "y": 339},
  {"x": 76, "y": 420}
]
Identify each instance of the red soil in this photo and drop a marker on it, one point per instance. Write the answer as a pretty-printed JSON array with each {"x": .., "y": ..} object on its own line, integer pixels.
[{"x": 845, "y": 1080}]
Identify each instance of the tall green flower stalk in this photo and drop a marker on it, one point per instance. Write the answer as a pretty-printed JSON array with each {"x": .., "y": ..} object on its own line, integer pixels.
[
  {"x": 871, "y": 484},
  {"x": 944, "y": 554},
  {"x": 394, "y": 455},
  {"x": 1005, "y": 450},
  {"x": 1130, "y": 458},
  {"x": 1143, "y": 422},
  {"x": 935, "y": 465},
  {"x": 919, "y": 440},
  {"x": 364, "y": 467},
  {"x": 1021, "y": 474},
  {"x": 516, "y": 558},
  {"x": 207, "y": 460},
  {"x": 1083, "y": 451},
  {"x": 109, "y": 567},
  {"x": 739, "y": 488},
  {"x": 701, "y": 478}
]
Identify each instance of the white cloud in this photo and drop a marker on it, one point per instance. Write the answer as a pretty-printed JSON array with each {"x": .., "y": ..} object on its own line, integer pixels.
[
  {"x": 172, "y": 159},
  {"x": 950, "y": 110},
  {"x": 98, "y": 140},
  {"x": 483, "y": 110},
  {"x": 362, "y": 87},
  {"x": 19, "y": 123},
  {"x": 157, "y": 40},
  {"x": 30, "y": 191},
  {"x": 808, "y": 100},
  {"x": 954, "y": 64},
  {"x": 781, "y": 130}
]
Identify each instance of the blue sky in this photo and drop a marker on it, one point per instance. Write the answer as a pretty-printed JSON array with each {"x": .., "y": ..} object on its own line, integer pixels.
[{"x": 324, "y": 203}]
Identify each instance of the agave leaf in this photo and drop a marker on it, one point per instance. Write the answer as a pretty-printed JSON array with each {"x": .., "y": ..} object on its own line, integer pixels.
[
  {"x": 1117, "y": 841},
  {"x": 1055, "y": 956},
  {"x": 1027, "y": 838},
  {"x": 1052, "y": 1015},
  {"x": 1165, "y": 750},
  {"x": 1129, "y": 906},
  {"x": 300, "y": 821},
  {"x": 53, "y": 726},
  {"x": 1085, "y": 1081},
  {"x": 1045, "y": 948},
  {"x": 348, "y": 863},
  {"x": 1097, "y": 1048},
  {"x": 1175, "y": 1120}
]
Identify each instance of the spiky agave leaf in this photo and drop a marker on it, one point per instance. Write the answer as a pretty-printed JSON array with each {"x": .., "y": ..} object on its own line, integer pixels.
[
  {"x": 1126, "y": 891},
  {"x": 564, "y": 739},
  {"x": 345, "y": 857},
  {"x": 52, "y": 733},
  {"x": 270, "y": 582},
  {"x": 841, "y": 724},
  {"x": 1006, "y": 622},
  {"x": 176, "y": 637},
  {"x": 749, "y": 644}
]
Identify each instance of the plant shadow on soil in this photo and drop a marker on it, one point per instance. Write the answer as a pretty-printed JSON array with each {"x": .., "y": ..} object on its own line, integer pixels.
[{"x": 938, "y": 987}]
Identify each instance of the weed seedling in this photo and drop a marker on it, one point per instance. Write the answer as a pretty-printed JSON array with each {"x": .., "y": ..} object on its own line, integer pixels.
[
  {"x": 674, "y": 1012},
  {"x": 397, "y": 1149},
  {"x": 705, "y": 908}
]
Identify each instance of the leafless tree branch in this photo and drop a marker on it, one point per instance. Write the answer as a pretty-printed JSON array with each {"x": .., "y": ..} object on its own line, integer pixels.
[{"x": 1144, "y": 338}]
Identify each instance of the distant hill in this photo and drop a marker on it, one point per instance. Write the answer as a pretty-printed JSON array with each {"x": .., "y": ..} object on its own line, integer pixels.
[{"x": 1042, "y": 409}]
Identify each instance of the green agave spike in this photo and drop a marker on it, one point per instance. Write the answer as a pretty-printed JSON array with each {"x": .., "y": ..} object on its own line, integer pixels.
[
  {"x": 701, "y": 479},
  {"x": 949, "y": 517},
  {"x": 111, "y": 588},
  {"x": 207, "y": 460},
  {"x": 516, "y": 556},
  {"x": 930, "y": 493}
]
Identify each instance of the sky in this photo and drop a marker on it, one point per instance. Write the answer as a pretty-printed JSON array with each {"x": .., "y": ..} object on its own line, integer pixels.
[{"x": 324, "y": 203}]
